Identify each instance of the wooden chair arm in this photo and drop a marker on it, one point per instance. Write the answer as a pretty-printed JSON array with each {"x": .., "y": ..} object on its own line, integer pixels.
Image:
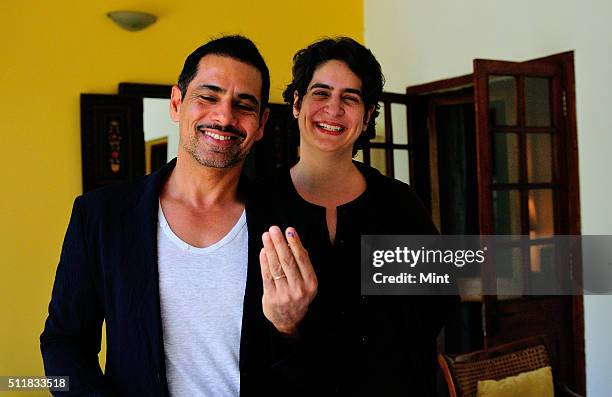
[{"x": 452, "y": 391}]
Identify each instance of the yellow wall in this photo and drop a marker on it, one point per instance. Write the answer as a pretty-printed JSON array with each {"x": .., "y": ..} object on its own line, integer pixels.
[{"x": 54, "y": 50}]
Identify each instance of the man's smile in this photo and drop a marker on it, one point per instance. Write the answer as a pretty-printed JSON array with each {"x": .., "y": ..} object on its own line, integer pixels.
[
  {"x": 220, "y": 137},
  {"x": 221, "y": 133}
]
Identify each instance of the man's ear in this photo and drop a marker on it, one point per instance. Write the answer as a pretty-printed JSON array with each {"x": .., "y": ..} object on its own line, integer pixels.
[
  {"x": 296, "y": 104},
  {"x": 368, "y": 115},
  {"x": 262, "y": 124},
  {"x": 176, "y": 99}
]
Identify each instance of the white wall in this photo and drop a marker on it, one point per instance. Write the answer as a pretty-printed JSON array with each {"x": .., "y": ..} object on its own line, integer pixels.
[
  {"x": 419, "y": 41},
  {"x": 157, "y": 123}
]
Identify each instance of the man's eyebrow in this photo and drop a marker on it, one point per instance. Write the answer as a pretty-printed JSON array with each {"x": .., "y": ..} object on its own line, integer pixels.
[
  {"x": 328, "y": 87},
  {"x": 210, "y": 87},
  {"x": 217, "y": 89},
  {"x": 249, "y": 97}
]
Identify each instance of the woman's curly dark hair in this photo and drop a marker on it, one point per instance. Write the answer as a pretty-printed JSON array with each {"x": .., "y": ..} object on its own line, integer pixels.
[{"x": 359, "y": 60}]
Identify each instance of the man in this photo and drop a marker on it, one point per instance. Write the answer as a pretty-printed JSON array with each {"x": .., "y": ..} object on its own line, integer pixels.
[{"x": 170, "y": 261}]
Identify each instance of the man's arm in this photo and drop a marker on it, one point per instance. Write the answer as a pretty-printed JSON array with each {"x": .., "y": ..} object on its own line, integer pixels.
[{"x": 70, "y": 342}]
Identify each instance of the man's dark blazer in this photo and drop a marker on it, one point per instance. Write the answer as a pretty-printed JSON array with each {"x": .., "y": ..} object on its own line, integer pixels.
[{"x": 108, "y": 271}]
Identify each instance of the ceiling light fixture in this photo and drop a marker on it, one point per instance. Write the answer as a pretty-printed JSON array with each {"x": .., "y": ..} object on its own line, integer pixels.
[{"x": 132, "y": 20}]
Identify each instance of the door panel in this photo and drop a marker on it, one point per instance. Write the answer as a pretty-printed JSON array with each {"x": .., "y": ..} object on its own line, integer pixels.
[{"x": 520, "y": 129}]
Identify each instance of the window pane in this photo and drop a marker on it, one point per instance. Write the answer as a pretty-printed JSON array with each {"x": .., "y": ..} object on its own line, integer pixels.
[
  {"x": 378, "y": 160},
  {"x": 541, "y": 212},
  {"x": 539, "y": 158},
  {"x": 537, "y": 102},
  {"x": 505, "y": 158},
  {"x": 541, "y": 258},
  {"x": 502, "y": 100},
  {"x": 507, "y": 212},
  {"x": 399, "y": 122},
  {"x": 380, "y": 125},
  {"x": 401, "y": 166},
  {"x": 543, "y": 278},
  {"x": 509, "y": 271}
]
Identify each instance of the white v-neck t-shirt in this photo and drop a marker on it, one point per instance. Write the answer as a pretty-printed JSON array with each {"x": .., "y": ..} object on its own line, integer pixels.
[{"x": 202, "y": 294}]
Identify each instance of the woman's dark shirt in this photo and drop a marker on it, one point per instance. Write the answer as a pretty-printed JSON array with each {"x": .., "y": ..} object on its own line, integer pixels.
[{"x": 361, "y": 345}]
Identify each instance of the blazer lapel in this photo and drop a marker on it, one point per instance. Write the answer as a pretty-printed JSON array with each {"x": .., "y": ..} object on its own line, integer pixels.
[{"x": 141, "y": 264}]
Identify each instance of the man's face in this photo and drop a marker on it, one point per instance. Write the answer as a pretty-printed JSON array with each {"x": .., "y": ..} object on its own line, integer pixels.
[{"x": 219, "y": 117}]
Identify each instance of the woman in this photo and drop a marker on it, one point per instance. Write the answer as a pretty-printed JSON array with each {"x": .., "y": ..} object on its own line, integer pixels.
[{"x": 347, "y": 344}]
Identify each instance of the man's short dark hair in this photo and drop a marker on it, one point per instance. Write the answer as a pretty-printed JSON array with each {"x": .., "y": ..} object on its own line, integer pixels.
[
  {"x": 359, "y": 60},
  {"x": 235, "y": 46}
]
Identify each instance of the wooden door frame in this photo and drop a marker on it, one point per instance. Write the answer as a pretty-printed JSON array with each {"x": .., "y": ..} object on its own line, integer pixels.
[{"x": 566, "y": 61}]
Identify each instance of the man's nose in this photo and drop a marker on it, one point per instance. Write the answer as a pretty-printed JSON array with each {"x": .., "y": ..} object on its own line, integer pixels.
[{"x": 223, "y": 113}]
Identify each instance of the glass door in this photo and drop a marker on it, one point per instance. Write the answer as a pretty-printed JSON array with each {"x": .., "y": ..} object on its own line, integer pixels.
[{"x": 526, "y": 167}]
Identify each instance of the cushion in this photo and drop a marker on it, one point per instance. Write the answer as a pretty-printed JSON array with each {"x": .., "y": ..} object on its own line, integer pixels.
[{"x": 537, "y": 383}]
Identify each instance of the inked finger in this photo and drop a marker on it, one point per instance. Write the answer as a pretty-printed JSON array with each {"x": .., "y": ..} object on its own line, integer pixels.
[
  {"x": 300, "y": 254},
  {"x": 285, "y": 256}
]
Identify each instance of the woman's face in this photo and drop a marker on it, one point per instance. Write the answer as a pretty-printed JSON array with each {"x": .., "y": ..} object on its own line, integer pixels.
[{"x": 332, "y": 114}]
